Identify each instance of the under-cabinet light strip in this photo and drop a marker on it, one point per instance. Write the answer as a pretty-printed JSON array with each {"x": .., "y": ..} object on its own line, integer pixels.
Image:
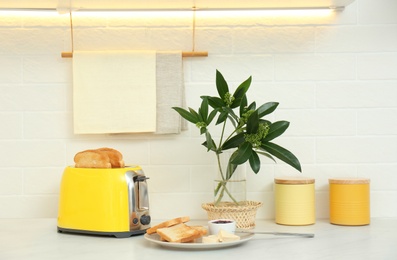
[{"x": 335, "y": 8}]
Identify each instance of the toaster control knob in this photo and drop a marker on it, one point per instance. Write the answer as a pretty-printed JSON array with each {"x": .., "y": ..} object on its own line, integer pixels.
[
  {"x": 135, "y": 221},
  {"x": 145, "y": 220}
]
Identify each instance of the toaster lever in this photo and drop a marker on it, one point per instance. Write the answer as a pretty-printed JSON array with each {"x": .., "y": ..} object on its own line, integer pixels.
[{"x": 141, "y": 178}]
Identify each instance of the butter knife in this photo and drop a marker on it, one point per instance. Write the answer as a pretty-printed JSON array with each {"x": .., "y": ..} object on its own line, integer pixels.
[{"x": 307, "y": 235}]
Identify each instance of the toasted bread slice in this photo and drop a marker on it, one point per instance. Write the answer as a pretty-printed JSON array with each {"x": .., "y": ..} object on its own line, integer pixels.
[
  {"x": 168, "y": 223},
  {"x": 179, "y": 233},
  {"x": 203, "y": 230},
  {"x": 92, "y": 159},
  {"x": 115, "y": 157}
]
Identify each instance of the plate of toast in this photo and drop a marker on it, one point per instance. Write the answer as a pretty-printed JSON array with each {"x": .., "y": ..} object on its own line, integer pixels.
[{"x": 176, "y": 233}]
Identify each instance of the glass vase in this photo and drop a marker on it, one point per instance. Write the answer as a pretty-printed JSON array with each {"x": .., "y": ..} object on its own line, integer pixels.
[{"x": 230, "y": 181}]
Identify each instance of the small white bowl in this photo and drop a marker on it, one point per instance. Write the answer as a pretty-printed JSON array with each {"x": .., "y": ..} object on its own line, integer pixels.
[{"x": 214, "y": 226}]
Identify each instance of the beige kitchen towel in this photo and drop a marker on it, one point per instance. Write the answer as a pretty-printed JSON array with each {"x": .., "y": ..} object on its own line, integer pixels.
[
  {"x": 170, "y": 92},
  {"x": 114, "y": 91}
]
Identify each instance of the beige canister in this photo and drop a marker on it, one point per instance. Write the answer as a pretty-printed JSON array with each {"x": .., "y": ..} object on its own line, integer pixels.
[
  {"x": 295, "y": 201},
  {"x": 349, "y": 201}
]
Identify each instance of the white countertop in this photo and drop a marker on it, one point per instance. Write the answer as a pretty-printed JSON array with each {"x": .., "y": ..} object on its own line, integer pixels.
[{"x": 38, "y": 239}]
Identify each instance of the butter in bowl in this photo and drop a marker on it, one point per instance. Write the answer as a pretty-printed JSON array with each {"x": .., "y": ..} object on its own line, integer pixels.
[{"x": 221, "y": 230}]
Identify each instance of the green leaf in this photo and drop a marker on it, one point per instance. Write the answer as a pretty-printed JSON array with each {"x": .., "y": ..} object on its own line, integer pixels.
[
  {"x": 222, "y": 117},
  {"x": 197, "y": 115},
  {"x": 282, "y": 154},
  {"x": 233, "y": 121},
  {"x": 210, "y": 142},
  {"x": 211, "y": 117},
  {"x": 243, "y": 105},
  {"x": 276, "y": 129},
  {"x": 203, "y": 111},
  {"x": 211, "y": 147},
  {"x": 231, "y": 115},
  {"x": 267, "y": 108},
  {"x": 253, "y": 123},
  {"x": 231, "y": 167},
  {"x": 221, "y": 85},
  {"x": 240, "y": 92},
  {"x": 243, "y": 153},
  {"x": 234, "y": 142},
  {"x": 186, "y": 115},
  {"x": 255, "y": 162},
  {"x": 215, "y": 102},
  {"x": 252, "y": 106},
  {"x": 267, "y": 155}
]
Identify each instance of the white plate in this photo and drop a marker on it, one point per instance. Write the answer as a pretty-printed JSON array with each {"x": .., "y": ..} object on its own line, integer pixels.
[{"x": 155, "y": 238}]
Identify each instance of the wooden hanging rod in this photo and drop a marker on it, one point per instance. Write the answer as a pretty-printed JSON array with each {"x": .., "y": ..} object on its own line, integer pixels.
[
  {"x": 192, "y": 53},
  {"x": 184, "y": 54}
]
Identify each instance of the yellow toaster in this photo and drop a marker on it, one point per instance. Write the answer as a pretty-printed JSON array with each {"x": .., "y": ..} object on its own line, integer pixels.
[{"x": 111, "y": 202}]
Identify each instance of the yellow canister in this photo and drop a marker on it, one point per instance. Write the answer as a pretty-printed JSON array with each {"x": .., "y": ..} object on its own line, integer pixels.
[
  {"x": 295, "y": 201},
  {"x": 349, "y": 201}
]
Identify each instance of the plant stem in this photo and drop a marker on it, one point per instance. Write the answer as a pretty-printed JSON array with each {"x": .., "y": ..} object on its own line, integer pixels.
[
  {"x": 221, "y": 187},
  {"x": 220, "y": 140},
  {"x": 220, "y": 166}
]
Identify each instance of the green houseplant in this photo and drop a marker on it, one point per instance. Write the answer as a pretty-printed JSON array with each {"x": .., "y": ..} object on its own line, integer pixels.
[{"x": 251, "y": 134}]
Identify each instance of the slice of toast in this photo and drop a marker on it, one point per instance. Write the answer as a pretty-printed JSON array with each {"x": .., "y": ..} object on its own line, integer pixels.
[
  {"x": 203, "y": 230},
  {"x": 115, "y": 157},
  {"x": 92, "y": 159},
  {"x": 179, "y": 233},
  {"x": 168, "y": 223}
]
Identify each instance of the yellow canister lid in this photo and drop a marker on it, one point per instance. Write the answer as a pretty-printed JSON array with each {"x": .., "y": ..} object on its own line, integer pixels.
[
  {"x": 294, "y": 180},
  {"x": 349, "y": 181}
]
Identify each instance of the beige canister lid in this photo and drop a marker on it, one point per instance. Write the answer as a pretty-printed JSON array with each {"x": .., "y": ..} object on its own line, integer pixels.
[
  {"x": 294, "y": 180},
  {"x": 349, "y": 181}
]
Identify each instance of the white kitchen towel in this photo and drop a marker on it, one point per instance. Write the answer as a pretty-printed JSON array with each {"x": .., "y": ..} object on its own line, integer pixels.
[
  {"x": 170, "y": 92},
  {"x": 114, "y": 91}
]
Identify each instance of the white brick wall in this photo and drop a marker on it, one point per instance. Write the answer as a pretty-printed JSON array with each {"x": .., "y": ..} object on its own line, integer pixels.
[{"x": 334, "y": 76}]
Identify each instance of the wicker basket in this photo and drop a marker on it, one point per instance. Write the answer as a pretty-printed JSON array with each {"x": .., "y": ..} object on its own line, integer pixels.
[{"x": 244, "y": 214}]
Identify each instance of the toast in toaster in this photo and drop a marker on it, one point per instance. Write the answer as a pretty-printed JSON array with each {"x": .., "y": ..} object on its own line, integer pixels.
[
  {"x": 99, "y": 158},
  {"x": 115, "y": 157},
  {"x": 92, "y": 159}
]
